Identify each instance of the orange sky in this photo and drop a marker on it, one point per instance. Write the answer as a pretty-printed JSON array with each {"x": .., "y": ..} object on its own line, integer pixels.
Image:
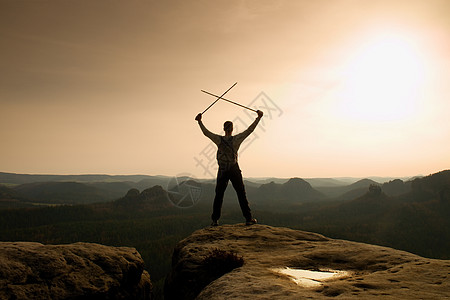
[{"x": 356, "y": 88}]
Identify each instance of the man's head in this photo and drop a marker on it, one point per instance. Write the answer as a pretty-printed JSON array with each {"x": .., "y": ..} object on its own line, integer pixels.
[{"x": 228, "y": 127}]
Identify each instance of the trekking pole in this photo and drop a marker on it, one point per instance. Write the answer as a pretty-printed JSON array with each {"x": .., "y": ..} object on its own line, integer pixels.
[
  {"x": 219, "y": 97},
  {"x": 229, "y": 101}
]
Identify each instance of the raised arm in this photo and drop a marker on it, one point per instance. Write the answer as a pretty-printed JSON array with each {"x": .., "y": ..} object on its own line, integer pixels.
[
  {"x": 243, "y": 135},
  {"x": 212, "y": 136}
]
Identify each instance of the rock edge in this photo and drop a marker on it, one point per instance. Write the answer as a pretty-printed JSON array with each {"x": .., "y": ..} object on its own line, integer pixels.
[{"x": 31, "y": 270}]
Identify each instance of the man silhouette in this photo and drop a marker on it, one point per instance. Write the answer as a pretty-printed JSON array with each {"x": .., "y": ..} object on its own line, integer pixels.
[{"x": 227, "y": 148}]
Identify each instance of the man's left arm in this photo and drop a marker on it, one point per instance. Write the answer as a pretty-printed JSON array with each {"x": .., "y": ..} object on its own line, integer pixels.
[{"x": 243, "y": 135}]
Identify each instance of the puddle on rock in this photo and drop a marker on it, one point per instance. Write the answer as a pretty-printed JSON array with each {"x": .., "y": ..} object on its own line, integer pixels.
[{"x": 308, "y": 278}]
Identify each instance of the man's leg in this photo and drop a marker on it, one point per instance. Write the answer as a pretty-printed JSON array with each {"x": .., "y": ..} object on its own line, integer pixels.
[
  {"x": 238, "y": 184},
  {"x": 221, "y": 185}
]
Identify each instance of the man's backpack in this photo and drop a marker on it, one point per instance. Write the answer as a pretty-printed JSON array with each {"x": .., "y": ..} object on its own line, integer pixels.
[{"x": 226, "y": 153}]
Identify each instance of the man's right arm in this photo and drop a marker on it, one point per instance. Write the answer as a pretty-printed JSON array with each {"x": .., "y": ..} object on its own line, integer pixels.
[{"x": 213, "y": 137}]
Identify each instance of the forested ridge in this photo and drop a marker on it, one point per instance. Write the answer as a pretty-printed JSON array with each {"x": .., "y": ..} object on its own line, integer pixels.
[{"x": 416, "y": 221}]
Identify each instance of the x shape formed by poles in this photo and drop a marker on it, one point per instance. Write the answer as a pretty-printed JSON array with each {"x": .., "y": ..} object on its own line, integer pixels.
[{"x": 221, "y": 97}]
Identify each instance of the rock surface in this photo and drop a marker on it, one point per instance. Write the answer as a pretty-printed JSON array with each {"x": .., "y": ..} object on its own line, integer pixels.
[
  {"x": 374, "y": 271},
  {"x": 75, "y": 271}
]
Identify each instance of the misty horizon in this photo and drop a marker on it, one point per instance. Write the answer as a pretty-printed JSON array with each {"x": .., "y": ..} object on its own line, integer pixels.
[{"x": 345, "y": 179}]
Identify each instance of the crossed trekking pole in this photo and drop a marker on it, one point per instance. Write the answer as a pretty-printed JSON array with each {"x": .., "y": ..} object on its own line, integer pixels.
[{"x": 221, "y": 98}]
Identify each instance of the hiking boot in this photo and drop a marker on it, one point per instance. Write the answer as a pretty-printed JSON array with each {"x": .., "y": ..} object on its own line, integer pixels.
[
  {"x": 251, "y": 222},
  {"x": 214, "y": 223}
]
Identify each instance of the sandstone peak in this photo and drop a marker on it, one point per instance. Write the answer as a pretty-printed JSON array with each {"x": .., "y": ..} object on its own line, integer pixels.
[{"x": 366, "y": 271}]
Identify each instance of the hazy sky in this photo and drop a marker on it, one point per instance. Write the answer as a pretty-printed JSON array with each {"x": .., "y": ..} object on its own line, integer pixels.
[{"x": 349, "y": 88}]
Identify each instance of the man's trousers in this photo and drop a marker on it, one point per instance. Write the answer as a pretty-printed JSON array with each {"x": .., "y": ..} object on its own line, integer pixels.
[{"x": 230, "y": 173}]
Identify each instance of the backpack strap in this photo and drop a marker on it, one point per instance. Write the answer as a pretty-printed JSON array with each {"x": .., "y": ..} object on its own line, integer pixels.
[{"x": 228, "y": 144}]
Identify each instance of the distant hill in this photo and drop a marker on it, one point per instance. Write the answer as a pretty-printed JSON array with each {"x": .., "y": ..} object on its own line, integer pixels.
[
  {"x": 299, "y": 189},
  {"x": 396, "y": 187},
  {"x": 363, "y": 183},
  {"x": 8, "y": 193},
  {"x": 435, "y": 186},
  {"x": 325, "y": 182},
  {"x": 61, "y": 192},
  {"x": 350, "y": 191},
  {"x": 14, "y": 178},
  {"x": 9, "y": 198},
  {"x": 112, "y": 190},
  {"x": 260, "y": 181},
  {"x": 152, "y": 181},
  {"x": 294, "y": 191},
  {"x": 352, "y": 194},
  {"x": 150, "y": 199},
  {"x": 392, "y": 188}
]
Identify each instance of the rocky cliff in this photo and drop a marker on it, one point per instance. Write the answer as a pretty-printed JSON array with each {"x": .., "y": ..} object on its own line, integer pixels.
[
  {"x": 263, "y": 262},
  {"x": 75, "y": 271}
]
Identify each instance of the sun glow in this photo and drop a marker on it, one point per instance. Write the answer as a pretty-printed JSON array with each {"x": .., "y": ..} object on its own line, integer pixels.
[{"x": 383, "y": 80}]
